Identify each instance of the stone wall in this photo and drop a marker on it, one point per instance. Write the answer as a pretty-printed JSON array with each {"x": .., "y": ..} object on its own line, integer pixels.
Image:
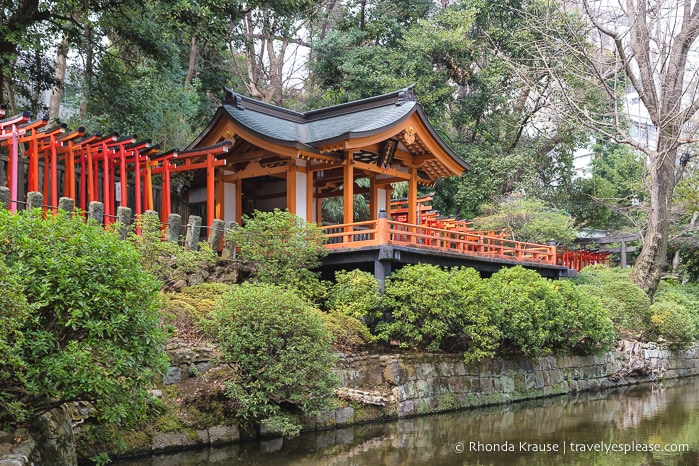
[
  {"x": 409, "y": 385},
  {"x": 380, "y": 387}
]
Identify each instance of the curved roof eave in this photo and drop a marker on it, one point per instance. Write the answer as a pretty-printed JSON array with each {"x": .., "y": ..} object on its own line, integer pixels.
[
  {"x": 221, "y": 112},
  {"x": 440, "y": 141}
]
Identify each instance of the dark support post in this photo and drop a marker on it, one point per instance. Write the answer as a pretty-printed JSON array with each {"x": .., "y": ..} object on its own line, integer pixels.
[
  {"x": 4, "y": 197},
  {"x": 174, "y": 223},
  {"x": 34, "y": 200},
  {"x": 623, "y": 254},
  {"x": 67, "y": 204},
  {"x": 124, "y": 219},
  {"x": 193, "y": 232},
  {"x": 216, "y": 234},
  {"x": 96, "y": 212},
  {"x": 382, "y": 269}
]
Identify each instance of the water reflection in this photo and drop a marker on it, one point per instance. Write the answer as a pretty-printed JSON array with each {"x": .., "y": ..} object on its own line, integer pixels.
[{"x": 638, "y": 418}]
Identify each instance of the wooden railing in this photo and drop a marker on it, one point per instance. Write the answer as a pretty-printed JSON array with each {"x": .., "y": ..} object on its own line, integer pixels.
[{"x": 387, "y": 232}]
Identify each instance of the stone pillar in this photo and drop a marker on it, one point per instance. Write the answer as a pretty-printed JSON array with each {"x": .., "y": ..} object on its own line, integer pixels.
[
  {"x": 150, "y": 223},
  {"x": 35, "y": 200},
  {"x": 124, "y": 220},
  {"x": 228, "y": 245},
  {"x": 96, "y": 212},
  {"x": 174, "y": 223},
  {"x": 67, "y": 204},
  {"x": 4, "y": 197},
  {"x": 193, "y": 232},
  {"x": 216, "y": 234}
]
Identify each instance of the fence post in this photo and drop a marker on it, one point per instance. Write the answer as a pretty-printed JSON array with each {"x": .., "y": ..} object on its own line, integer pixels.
[
  {"x": 96, "y": 212},
  {"x": 216, "y": 234},
  {"x": 228, "y": 245},
  {"x": 4, "y": 197},
  {"x": 34, "y": 200},
  {"x": 67, "y": 204},
  {"x": 193, "y": 232},
  {"x": 124, "y": 220},
  {"x": 174, "y": 223}
]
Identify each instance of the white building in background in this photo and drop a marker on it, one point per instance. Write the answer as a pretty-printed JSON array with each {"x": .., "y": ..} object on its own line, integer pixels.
[{"x": 641, "y": 129}]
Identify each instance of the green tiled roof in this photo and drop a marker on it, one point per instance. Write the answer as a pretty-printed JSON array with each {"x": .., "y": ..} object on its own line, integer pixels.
[{"x": 310, "y": 130}]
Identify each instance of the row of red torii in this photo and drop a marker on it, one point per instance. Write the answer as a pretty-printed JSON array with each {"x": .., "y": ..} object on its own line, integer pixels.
[{"x": 110, "y": 157}]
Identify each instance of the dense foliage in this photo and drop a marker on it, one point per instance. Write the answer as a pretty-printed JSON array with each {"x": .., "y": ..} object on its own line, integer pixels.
[
  {"x": 278, "y": 246},
  {"x": 82, "y": 324},
  {"x": 355, "y": 293},
  {"x": 528, "y": 220},
  {"x": 168, "y": 261},
  {"x": 540, "y": 316},
  {"x": 628, "y": 305},
  {"x": 280, "y": 352},
  {"x": 516, "y": 311}
]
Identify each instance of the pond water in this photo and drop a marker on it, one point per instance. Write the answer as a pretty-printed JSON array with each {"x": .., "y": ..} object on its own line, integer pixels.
[{"x": 642, "y": 425}]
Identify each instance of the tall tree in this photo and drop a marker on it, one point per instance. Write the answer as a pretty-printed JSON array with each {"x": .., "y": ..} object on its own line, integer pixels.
[{"x": 644, "y": 46}]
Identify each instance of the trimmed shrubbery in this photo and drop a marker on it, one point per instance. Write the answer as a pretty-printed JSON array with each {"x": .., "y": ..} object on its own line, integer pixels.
[
  {"x": 628, "y": 305},
  {"x": 81, "y": 324},
  {"x": 355, "y": 293},
  {"x": 516, "y": 311},
  {"x": 280, "y": 351}
]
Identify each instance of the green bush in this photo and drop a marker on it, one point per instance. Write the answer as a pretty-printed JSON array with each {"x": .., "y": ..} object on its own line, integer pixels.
[
  {"x": 628, "y": 305},
  {"x": 169, "y": 262},
  {"x": 424, "y": 311},
  {"x": 347, "y": 332},
  {"x": 277, "y": 245},
  {"x": 309, "y": 286},
  {"x": 83, "y": 323},
  {"x": 530, "y": 310},
  {"x": 204, "y": 297},
  {"x": 480, "y": 318},
  {"x": 686, "y": 295},
  {"x": 280, "y": 351},
  {"x": 583, "y": 325},
  {"x": 436, "y": 309},
  {"x": 356, "y": 294},
  {"x": 673, "y": 322},
  {"x": 529, "y": 220}
]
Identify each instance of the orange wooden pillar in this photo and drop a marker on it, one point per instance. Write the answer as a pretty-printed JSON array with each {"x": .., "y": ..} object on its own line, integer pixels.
[
  {"x": 309, "y": 194},
  {"x": 373, "y": 198},
  {"x": 210, "y": 190},
  {"x": 412, "y": 197},
  {"x": 239, "y": 201},
  {"x": 348, "y": 189},
  {"x": 165, "y": 205},
  {"x": 291, "y": 186},
  {"x": 54, "y": 174}
]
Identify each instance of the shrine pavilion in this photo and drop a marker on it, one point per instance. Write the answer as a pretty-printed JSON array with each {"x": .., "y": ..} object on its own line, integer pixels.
[{"x": 290, "y": 160}]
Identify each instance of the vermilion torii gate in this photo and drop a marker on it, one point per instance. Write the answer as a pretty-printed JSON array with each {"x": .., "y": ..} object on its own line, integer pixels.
[{"x": 99, "y": 168}]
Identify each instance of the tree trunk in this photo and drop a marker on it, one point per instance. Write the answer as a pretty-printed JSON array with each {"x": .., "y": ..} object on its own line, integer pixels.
[
  {"x": 89, "y": 72},
  {"x": 649, "y": 264},
  {"x": 60, "y": 75},
  {"x": 193, "y": 55}
]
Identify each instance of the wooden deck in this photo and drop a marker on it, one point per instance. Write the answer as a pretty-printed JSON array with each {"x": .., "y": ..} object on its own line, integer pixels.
[
  {"x": 384, "y": 232},
  {"x": 380, "y": 246}
]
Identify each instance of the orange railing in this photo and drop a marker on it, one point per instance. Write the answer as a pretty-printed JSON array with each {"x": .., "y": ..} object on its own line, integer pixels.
[
  {"x": 388, "y": 232},
  {"x": 581, "y": 258}
]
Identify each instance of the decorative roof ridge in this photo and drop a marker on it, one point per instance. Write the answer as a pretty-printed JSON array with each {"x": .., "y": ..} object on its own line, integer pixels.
[{"x": 397, "y": 98}]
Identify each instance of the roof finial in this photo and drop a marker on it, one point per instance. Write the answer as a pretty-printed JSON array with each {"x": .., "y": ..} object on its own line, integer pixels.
[
  {"x": 406, "y": 95},
  {"x": 230, "y": 97}
]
